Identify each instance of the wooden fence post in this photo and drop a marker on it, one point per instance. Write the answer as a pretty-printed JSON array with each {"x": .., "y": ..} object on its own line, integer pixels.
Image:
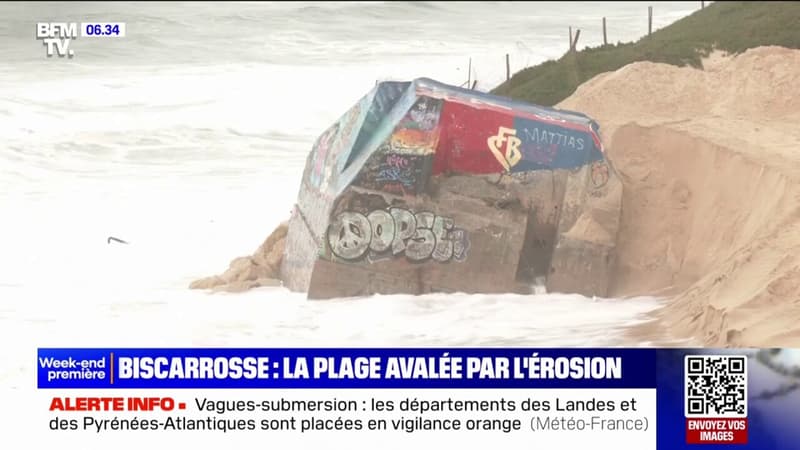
[
  {"x": 570, "y": 38},
  {"x": 605, "y": 37},
  {"x": 508, "y": 68},
  {"x": 469, "y": 72},
  {"x": 649, "y": 20},
  {"x": 574, "y": 46},
  {"x": 702, "y": 5}
]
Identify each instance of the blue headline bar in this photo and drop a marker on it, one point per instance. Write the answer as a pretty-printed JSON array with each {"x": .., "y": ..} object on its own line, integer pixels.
[{"x": 125, "y": 368}]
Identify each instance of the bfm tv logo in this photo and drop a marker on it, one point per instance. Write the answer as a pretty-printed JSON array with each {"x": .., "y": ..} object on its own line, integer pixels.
[{"x": 56, "y": 36}]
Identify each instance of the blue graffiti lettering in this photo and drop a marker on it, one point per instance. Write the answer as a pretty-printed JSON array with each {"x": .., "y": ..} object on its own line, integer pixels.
[{"x": 396, "y": 174}]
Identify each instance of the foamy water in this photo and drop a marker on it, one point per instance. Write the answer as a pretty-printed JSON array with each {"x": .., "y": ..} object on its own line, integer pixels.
[{"x": 188, "y": 137}]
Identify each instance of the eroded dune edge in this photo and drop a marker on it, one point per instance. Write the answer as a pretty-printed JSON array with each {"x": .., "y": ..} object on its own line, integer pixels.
[{"x": 710, "y": 160}]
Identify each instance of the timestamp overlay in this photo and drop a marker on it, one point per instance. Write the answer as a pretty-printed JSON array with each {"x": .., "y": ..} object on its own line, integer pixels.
[
  {"x": 58, "y": 37},
  {"x": 103, "y": 29}
]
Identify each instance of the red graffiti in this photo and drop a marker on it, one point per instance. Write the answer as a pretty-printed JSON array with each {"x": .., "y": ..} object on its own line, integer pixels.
[
  {"x": 463, "y": 142},
  {"x": 599, "y": 174}
]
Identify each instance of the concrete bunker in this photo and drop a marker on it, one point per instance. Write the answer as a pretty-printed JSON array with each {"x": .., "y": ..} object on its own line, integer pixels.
[{"x": 423, "y": 187}]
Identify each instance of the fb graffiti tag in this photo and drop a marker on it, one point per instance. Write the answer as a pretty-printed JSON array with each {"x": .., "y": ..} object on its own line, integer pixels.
[
  {"x": 421, "y": 236},
  {"x": 512, "y": 143}
]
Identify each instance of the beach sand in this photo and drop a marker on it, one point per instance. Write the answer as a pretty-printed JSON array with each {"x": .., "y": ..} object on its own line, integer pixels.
[{"x": 710, "y": 160}]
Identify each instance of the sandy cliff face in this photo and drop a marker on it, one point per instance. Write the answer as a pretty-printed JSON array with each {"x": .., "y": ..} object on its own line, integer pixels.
[{"x": 710, "y": 160}]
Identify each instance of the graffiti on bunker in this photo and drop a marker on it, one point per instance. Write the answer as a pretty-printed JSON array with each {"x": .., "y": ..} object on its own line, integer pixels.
[
  {"x": 424, "y": 115},
  {"x": 383, "y": 99},
  {"x": 320, "y": 166},
  {"x": 328, "y": 151},
  {"x": 599, "y": 174},
  {"x": 505, "y": 147},
  {"x": 421, "y": 236},
  {"x": 418, "y": 132},
  {"x": 481, "y": 141},
  {"x": 394, "y": 173}
]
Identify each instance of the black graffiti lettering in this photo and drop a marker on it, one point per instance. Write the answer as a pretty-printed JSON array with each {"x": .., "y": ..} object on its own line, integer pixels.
[
  {"x": 405, "y": 227},
  {"x": 423, "y": 242},
  {"x": 421, "y": 236},
  {"x": 444, "y": 245},
  {"x": 460, "y": 244},
  {"x": 382, "y": 230},
  {"x": 349, "y": 235}
]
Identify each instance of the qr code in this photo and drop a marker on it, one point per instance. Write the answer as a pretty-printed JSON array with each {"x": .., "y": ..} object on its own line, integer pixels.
[{"x": 715, "y": 386}]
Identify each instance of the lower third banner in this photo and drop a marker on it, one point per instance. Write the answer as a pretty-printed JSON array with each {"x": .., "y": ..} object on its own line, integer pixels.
[{"x": 396, "y": 398}]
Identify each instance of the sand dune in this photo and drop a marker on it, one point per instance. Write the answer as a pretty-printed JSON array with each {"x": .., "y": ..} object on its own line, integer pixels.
[{"x": 711, "y": 212}]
